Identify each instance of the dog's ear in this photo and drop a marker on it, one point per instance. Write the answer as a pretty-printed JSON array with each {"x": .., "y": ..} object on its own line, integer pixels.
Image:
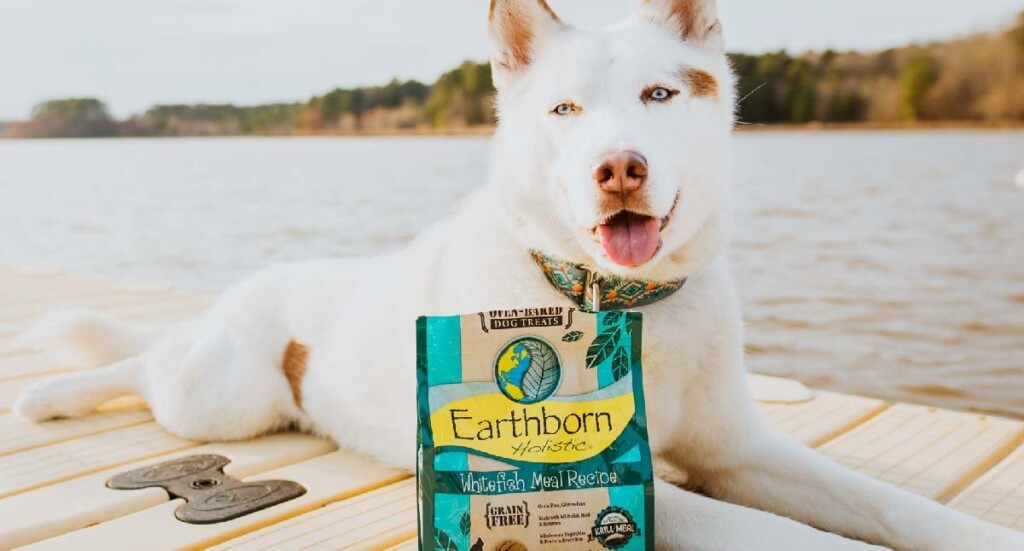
[
  {"x": 694, "y": 21},
  {"x": 518, "y": 28}
]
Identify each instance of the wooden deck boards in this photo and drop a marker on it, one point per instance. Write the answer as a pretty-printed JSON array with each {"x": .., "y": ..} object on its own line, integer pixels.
[
  {"x": 384, "y": 515},
  {"x": 52, "y": 493},
  {"x": 37, "y": 467},
  {"x": 328, "y": 479},
  {"x": 998, "y": 496},
  {"x": 80, "y": 502},
  {"x": 825, "y": 417},
  {"x": 929, "y": 451},
  {"x": 18, "y": 365},
  {"x": 17, "y": 435}
]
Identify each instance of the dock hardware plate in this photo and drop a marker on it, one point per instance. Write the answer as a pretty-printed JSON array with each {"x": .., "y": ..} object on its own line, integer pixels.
[{"x": 210, "y": 495}]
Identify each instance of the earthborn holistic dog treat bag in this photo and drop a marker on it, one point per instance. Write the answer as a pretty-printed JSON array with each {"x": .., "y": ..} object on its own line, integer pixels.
[{"x": 532, "y": 432}]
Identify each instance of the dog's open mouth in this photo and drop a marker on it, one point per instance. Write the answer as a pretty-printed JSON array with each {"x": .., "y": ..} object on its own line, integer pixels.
[{"x": 631, "y": 239}]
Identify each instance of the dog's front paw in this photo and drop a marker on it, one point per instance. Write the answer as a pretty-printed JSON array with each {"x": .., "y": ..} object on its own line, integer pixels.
[{"x": 47, "y": 400}]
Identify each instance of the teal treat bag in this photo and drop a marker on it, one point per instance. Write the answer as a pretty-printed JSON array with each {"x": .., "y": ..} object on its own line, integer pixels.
[{"x": 532, "y": 432}]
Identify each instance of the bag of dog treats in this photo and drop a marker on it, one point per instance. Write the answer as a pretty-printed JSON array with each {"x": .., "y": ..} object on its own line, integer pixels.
[{"x": 532, "y": 432}]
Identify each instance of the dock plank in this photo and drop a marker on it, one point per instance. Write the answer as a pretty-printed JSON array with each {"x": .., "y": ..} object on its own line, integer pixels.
[
  {"x": 932, "y": 452},
  {"x": 998, "y": 496},
  {"x": 26, "y": 364},
  {"x": 84, "y": 501},
  {"x": 17, "y": 434},
  {"x": 328, "y": 478},
  {"x": 767, "y": 388},
  {"x": 45, "y": 465},
  {"x": 825, "y": 417},
  {"x": 371, "y": 520}
]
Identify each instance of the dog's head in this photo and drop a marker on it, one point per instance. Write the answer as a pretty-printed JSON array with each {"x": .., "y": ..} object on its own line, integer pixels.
[{"x": 612, "y": 147}]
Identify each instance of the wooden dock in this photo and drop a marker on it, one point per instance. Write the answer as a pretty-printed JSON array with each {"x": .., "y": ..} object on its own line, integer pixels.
[{"x": 52, "y": 476}]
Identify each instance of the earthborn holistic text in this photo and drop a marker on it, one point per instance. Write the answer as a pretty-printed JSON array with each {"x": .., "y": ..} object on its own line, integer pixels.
[{"x": 532, "y": 432}]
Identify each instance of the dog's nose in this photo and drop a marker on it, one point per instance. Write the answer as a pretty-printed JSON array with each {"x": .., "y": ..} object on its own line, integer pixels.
[{"x": 621, "y": 172}]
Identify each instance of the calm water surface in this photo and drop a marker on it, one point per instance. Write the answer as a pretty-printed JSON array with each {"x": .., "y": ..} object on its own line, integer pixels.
[{"x": 887, "y": 264}]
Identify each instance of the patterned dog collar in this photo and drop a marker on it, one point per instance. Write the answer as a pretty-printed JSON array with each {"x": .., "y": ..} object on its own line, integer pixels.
[{"x": 593, "y": 291}]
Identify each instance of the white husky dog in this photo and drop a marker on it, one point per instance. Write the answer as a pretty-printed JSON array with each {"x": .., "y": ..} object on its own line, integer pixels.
[{"x": 612, "y": 156}]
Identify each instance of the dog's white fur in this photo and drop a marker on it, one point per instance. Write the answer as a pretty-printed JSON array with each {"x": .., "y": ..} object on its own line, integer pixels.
[{"x": 222, "y": 379}]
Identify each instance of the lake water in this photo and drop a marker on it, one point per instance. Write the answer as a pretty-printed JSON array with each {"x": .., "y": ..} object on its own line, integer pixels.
[{"x": 885, "y": 264}]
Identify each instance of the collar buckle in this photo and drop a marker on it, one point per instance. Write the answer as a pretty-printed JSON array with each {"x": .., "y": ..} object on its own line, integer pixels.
[{"x": 593, "y": 288}]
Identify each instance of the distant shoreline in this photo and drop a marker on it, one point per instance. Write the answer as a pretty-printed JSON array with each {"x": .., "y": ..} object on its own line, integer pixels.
[
  {"x": 484, "y": 131},
  {"x": 962, "y": 84}
]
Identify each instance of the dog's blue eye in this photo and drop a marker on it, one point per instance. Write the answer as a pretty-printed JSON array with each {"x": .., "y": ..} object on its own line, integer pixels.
[
  {"x": 566, "y": 109},
  {"x": 658, "y": 94}
]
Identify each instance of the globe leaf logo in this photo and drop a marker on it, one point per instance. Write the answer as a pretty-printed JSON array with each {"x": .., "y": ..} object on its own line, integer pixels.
[{"x": 527, "y": 370}]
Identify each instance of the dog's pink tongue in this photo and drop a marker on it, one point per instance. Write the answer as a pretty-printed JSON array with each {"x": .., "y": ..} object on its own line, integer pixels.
[{"x": 630, "y": 239}]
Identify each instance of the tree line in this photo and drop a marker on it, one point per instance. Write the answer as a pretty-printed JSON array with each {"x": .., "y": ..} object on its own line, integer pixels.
[{"x": 975, "y": 79}]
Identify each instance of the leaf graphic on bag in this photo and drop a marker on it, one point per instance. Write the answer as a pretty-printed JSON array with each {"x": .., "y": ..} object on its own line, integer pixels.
[
  {"x": 604, "y": 345},
  {"x": 444, "y": 542},
  {"x": 620, "y": 364},
  {"x": 464, "y": 524},
  {"x": 572, "y": 336},
  {"x": 541, "y": 378},
  {"x": 611, "y": 318}
]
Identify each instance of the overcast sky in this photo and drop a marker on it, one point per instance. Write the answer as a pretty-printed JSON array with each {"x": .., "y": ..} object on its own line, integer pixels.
[{"x": 134, "y": 53}]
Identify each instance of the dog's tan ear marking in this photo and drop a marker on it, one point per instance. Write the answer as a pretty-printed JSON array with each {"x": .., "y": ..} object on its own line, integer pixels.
[
  {"x": 517, "y": 28},
  {"x": 702, "y": 84},
  {"x": 693, "y": 20},
  {"x": 294, "y": 366}
]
